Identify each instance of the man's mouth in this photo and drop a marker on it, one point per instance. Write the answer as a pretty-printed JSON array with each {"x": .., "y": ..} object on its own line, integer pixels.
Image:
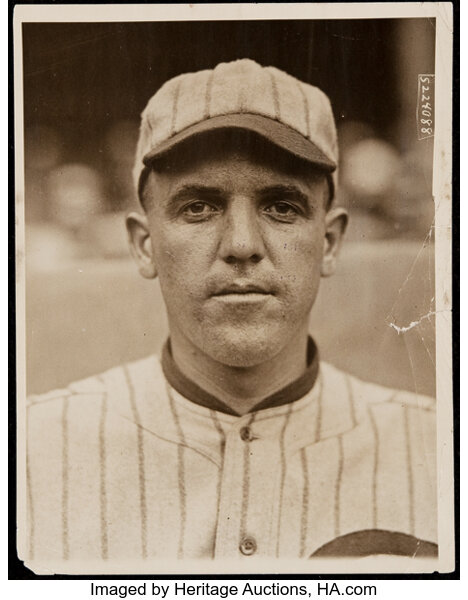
[
  {"x": 241, "y": 293},
  {"x": 242, "y": 289}
]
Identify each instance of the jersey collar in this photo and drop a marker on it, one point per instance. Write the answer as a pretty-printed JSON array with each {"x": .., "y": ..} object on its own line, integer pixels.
[{"x": 193, "y": 392}]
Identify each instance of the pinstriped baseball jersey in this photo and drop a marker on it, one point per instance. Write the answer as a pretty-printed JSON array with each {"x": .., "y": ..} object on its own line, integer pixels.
[{"x": 122, "y": 465}]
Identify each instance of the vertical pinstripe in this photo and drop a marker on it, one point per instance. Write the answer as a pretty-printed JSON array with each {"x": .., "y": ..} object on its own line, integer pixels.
[
  {"x": 245, "y": 483},
  {"x": 175, "y": 108},
  {"x": 305, "y": 469},
  {"x": 219, "y": 429},
  {"x": 222, "y": 442},
  {"x": 209, "y": 87},
  {"x": 30, "y": 508},
  {"x": 274, "y": 91},
  {"x": 183, "y": 499},
  {"x": 352, "y": 408},
  {"x": 306, "y": 108},
  {"x": 409, "y": 471},
  {"x": 65, "y": 543},
  {"x": 283, "y": 473},
  {"x": 305, "y": 501},
  {"x": 318, "y": 422},
  {"x": 339, "y": 476},
  {"x": 375, "y": 468},
  {"x": 180, "y": 474},
  {"x": 102, "y": 476},
  {"x": 141, "y": 461}
]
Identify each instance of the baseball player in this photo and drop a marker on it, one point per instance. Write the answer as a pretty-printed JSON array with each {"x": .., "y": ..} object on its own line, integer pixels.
[{"x": 238, "y": 442}]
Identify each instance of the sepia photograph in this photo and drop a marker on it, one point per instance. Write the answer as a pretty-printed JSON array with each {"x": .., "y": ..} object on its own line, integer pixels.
[{"x": 234, "y": 288}]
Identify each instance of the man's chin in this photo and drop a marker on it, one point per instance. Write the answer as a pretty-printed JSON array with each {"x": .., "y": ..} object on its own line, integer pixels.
[{"x": 243, "y": 347}]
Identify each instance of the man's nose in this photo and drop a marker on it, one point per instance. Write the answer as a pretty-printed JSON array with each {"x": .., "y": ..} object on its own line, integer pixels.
[{"x": 242, "y": 239}]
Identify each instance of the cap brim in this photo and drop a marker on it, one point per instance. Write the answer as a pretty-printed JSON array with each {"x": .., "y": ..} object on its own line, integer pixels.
[{"x": 277, "y": 133}]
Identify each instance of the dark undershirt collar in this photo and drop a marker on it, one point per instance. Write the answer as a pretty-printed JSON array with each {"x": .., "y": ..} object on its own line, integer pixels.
[{"x": 193, "y": 392}]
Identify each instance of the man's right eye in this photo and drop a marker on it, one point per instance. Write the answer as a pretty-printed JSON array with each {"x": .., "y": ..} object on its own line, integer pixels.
[{"x": 199, "y": 210}]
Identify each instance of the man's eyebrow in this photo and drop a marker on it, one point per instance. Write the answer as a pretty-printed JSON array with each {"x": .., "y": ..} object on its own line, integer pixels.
[
  {"x": 198, "y": 191},
  {"x": 284, "y": 191}
]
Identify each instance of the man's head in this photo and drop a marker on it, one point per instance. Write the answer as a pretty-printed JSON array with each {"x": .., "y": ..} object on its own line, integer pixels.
[{"x": 238, "y": 222}]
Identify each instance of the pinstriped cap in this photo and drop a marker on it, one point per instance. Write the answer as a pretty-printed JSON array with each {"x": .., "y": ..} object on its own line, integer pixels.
[{"x": 289, "y": 113}]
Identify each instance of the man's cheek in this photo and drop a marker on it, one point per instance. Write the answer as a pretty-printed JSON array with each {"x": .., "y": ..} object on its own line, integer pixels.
[
  {"x": 180, "y": 275},
  {"x": 300, "y": 257},
  {"x": 171, "y": 256}
]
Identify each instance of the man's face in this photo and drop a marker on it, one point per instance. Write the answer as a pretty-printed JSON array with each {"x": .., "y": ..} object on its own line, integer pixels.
[{"x": 239, "y": 246}]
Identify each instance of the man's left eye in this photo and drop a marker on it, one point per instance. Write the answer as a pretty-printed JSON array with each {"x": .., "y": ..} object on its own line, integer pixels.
[
  {"x": 198, "y": 207},
  {"x": 282, "y": 210}
]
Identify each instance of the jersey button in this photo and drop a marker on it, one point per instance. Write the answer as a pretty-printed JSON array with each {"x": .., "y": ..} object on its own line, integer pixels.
[
  {"x": 248, "y": 546},
  {"x": 246, "y": 434}
]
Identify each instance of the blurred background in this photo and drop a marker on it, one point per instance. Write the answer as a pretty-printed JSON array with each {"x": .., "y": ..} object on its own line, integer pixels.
[{"x": 85, "y": 85}]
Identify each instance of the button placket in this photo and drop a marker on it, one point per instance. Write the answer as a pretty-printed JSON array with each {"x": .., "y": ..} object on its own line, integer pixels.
[
  {"x": 227, "y": 535},
  {"x": 253, "y": 537}
]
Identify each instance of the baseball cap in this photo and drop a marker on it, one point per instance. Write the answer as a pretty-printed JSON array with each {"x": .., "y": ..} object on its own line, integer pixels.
[{"x": 293, "y": 115}]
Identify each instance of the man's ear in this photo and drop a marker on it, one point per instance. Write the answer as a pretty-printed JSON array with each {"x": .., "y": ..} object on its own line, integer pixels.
[
  {"x": 140, "y": 244},
  {"x": 336, "y": 220}
]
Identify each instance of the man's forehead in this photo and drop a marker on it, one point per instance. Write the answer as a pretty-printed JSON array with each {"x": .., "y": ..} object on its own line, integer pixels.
[{"x": 234, "y": 169}]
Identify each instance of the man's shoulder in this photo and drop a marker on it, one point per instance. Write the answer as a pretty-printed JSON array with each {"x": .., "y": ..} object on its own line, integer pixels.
[
  {"x": 367, "y": 395},
  {"x": 116, "y": 391},
  {"x": 95, "y": 386}
]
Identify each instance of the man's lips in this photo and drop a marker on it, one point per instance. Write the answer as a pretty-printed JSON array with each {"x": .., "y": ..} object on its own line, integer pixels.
[{"x": 241, "y": 289}]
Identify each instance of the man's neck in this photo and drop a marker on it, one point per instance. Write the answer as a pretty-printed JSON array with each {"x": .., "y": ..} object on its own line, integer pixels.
[{"x": 241, "y": 388}]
